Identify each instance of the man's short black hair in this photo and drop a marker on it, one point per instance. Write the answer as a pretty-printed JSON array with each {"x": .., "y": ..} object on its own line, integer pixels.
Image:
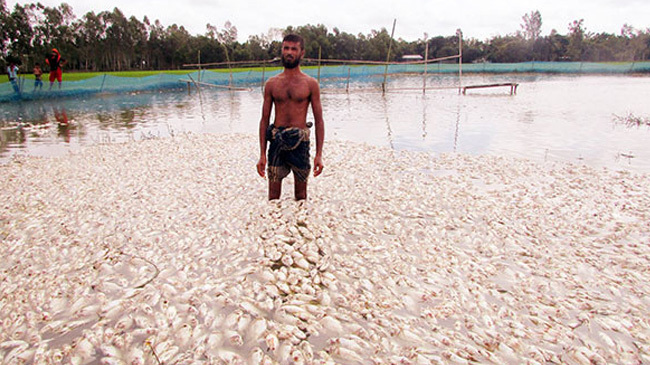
[{"x": 294, "y": 38}]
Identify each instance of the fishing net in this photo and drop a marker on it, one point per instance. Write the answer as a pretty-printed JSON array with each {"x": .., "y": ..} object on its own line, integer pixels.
[{"x": 256, "y": 77}]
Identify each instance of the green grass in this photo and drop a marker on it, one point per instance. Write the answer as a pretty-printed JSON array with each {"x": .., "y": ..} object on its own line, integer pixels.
[{"x": 80, "y": 75}]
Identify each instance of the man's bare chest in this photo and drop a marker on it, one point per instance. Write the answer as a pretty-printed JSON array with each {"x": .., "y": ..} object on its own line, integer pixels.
[{"x": 292, "y": 93}]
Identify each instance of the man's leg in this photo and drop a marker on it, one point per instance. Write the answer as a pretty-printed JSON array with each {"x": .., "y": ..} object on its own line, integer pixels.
[
  {"x": 300, "y": 190},
  {"x": 275, "y": 189}
]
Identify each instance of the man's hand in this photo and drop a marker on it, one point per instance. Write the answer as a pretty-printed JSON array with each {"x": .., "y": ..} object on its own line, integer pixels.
[
  {"x": 318, "y": 165},
  {"x": 261, "y": 165}
]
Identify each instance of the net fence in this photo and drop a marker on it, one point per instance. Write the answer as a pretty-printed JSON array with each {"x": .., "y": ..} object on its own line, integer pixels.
[{"x": 256, "y": 77}]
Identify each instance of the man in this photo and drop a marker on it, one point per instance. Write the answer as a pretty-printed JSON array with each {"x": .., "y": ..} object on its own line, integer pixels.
[
  {"x": 56, "y": 62},
  {"x": 290, "y": 92}
]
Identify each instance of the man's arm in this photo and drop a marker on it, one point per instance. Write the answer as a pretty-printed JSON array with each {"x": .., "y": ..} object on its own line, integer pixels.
[
  {"x": 264, "y": 124},
  {"x": 317, "y": 109}
]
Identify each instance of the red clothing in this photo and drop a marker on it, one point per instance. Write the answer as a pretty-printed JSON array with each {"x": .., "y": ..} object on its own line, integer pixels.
[
  {"x": 56, "y": 75},
  {"x": 55, "y": 61}
]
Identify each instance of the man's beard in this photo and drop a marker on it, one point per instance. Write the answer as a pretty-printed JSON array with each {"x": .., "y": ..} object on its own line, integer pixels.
[{"x": 290, "y": 64}]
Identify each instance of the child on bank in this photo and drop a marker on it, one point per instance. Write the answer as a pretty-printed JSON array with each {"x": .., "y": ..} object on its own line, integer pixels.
[{"x": 38, "y": 77}]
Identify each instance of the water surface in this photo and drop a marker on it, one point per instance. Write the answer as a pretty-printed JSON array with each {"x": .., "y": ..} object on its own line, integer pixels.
[{"x": 552, "y": 117}]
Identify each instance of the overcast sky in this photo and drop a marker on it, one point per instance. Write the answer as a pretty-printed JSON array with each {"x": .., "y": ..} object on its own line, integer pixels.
[{"x": 478, "y": 19}]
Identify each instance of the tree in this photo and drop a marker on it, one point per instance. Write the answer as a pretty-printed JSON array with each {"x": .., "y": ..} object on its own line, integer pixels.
[
  {"x": 532, "y": 25},
  {"x": 19, "y": 32},
  {"x": 576, "y": 40},
  {"x": 110, "y": 40},
  {"x": 91, "y": 32},
  {"x": 176, "y": 47},
  {"x": 507, "y": 49},
  {"x": 636, "y": 43},
  {"x": 4, "y": 31},
  {"x": 345, "y": 46},
  {"x": 228, "y": 34},
  {"x": 374, "y": 47},
  {"x": 227, "y": 38},
  {"x": 315, "y": 37}
]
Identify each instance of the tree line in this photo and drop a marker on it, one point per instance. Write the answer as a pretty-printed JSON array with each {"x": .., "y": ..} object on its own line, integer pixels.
[{"x": 111, "y": 41}]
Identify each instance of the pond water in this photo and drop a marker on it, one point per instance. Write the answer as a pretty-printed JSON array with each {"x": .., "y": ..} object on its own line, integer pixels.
[{"x": 552, "y": 117}]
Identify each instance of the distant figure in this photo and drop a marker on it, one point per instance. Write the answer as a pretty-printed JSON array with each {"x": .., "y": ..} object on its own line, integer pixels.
[
  {"x": 290, "y": 92},
  {"x": 38, "y": 77},
  {"x": 12, "y": 72},
  {"x": 56, "y": 62}
]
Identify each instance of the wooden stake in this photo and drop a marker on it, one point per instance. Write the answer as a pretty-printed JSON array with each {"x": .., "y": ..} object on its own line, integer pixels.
[
  {"x": 460, "y": 59},
  {"x": 347, "y": 87},
  {"x": 426, "y": 57},
  {"x": 229, "y": 66},
  {"x": 319, "y": 57},
  {"x": 390, "y": 44}
]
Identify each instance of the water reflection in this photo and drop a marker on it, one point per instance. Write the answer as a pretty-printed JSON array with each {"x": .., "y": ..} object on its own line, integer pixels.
[
  {"x": 424, "y": 115},
  {"x": 40, "y": 125},
  {"x": 457, "y": 128},
  {"x": 389, "y": 132}
]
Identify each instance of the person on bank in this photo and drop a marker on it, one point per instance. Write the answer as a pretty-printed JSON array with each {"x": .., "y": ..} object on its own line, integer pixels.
[
  {"x": 38, "y": 77},
  {"x": 55, "y": 62},
  {"x": 291, "y": 93},
  {"x": 12, "y": 72}
]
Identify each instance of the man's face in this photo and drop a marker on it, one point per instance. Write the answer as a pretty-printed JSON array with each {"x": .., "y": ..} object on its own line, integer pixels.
[{"x": 291, "y": 54}]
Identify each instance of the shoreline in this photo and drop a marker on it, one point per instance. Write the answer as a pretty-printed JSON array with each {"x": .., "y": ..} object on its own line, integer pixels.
[{"x": 167, "y": 249}]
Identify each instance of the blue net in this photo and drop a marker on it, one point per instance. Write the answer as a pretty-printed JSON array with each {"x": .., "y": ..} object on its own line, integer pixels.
[{"x": 256, "y": 77}]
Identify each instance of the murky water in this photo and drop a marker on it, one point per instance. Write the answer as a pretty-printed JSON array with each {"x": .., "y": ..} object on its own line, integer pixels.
[{"x": 565, "y": 118}]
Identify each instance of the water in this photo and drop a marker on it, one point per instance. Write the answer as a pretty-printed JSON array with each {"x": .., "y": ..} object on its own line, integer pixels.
[{"x": 552, "y": 117}]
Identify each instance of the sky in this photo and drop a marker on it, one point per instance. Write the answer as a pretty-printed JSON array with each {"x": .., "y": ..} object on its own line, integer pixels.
[{"x": 479, "y": 19}]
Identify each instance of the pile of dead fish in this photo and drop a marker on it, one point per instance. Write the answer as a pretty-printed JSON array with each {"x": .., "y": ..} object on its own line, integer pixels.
[{"x": 165, "y": 251}]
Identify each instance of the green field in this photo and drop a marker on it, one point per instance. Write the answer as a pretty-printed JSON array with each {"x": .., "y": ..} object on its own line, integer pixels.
[{"x": 77, "y": 76}]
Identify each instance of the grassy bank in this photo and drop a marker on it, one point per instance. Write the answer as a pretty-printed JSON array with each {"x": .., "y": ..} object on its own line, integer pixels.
[{"x": 81, "y": 75}]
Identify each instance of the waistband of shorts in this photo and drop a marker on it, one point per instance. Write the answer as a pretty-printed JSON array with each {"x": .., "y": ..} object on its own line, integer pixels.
[{"x": 303, "y": 132}]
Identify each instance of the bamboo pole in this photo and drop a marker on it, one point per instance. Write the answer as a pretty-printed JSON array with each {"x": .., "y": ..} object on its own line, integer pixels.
[
  {"x": 426, "y": 56},
  {"x": 319, "y": 58},
  {"x": 390, "y": 44},
  {"x": 263, "y": 74},
  {"x": 229, "y": 66},
  {"x": 460, "y": 59},
  {"x": 101, "y": 88},
  {"x": 199, "y": 65},
  {"x": 198, "y": 88},
  {"x": 347, "y": 87}
]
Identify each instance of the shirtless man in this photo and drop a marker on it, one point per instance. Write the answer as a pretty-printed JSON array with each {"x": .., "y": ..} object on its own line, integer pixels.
[{"x": 290, "y": 92}]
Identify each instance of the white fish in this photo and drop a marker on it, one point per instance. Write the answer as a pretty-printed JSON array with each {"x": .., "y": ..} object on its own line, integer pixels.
[
  {"x": 229, "y": 357},
  {"x": 124, "y": 323},
  {"x": 272, "y": 341},
  {"x": 257, "y": 329},
  {"x": 256, "y": 356},
  {"x": 136, "y": 356},
  {"x": 283, "y": 352},
  {"x": 287, "y": 260},
  {"x": 347, "y": 355},
  {"x": 331, "y": 324}
]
